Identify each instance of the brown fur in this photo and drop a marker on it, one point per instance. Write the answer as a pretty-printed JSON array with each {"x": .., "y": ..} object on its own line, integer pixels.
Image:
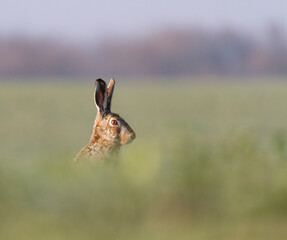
[{"x": 106, "y": 138}]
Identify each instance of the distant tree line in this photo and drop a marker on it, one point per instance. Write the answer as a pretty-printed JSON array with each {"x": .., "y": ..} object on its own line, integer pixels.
[{"x": 174, "y": 52}]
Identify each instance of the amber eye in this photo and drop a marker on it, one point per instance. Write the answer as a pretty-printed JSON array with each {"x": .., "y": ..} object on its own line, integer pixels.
[{"x": 114, "y": 122}]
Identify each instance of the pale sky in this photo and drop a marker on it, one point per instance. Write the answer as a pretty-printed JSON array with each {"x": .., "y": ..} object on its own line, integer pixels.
[{"x": 82, "y": 19}]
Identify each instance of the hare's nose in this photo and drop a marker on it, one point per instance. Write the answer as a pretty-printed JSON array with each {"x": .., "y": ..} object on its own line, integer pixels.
[{"x": 133, "y": 136}]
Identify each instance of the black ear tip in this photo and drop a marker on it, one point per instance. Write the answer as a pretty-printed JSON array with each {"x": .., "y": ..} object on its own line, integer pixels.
[{"x": 101, "y": 81}]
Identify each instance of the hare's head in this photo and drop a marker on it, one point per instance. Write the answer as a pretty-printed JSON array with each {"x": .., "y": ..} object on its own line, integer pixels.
[{"x": 109, "y": 126}]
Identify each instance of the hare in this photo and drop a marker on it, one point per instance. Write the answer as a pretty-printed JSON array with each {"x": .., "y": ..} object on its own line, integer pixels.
[{"x": 110, "y": 131}]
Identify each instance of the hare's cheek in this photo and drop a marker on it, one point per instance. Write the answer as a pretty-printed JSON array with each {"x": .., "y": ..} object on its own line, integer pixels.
[
  {"x": 123, "y": 140},
  {"x": 115, "y": 132},
  {"x": 124, "y": 137}
]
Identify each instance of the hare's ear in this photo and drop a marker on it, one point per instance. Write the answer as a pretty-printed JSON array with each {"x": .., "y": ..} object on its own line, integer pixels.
[
  {"x": 101, "y": 96},
  {"x": 110, "y": 93}
]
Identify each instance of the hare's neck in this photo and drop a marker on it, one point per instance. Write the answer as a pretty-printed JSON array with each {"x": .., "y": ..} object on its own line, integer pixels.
[{"x": 105, "y": 145}]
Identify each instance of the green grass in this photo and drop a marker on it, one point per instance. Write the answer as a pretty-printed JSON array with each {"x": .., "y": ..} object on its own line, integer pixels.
[{"x": 209, "y": 162}]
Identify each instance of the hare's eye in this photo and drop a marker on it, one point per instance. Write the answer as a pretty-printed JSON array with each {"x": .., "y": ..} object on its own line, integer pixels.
[{"x": 114, "y": 122}]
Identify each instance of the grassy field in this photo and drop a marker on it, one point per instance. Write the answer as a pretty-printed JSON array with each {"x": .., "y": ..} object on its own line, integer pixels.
[{"x": 209, "y": 162}]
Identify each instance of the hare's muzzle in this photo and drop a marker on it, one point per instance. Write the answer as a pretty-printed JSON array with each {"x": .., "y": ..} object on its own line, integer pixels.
[
  {"x": 127, "y": 133},
  {"x": 128, "y": 137},
  {"x": 133, "y": 135}
]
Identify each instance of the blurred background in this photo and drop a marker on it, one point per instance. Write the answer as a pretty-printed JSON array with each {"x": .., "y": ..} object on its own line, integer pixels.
[
  {"x": 202, "y": 83},
  {"x": 143, "y": 38}
]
